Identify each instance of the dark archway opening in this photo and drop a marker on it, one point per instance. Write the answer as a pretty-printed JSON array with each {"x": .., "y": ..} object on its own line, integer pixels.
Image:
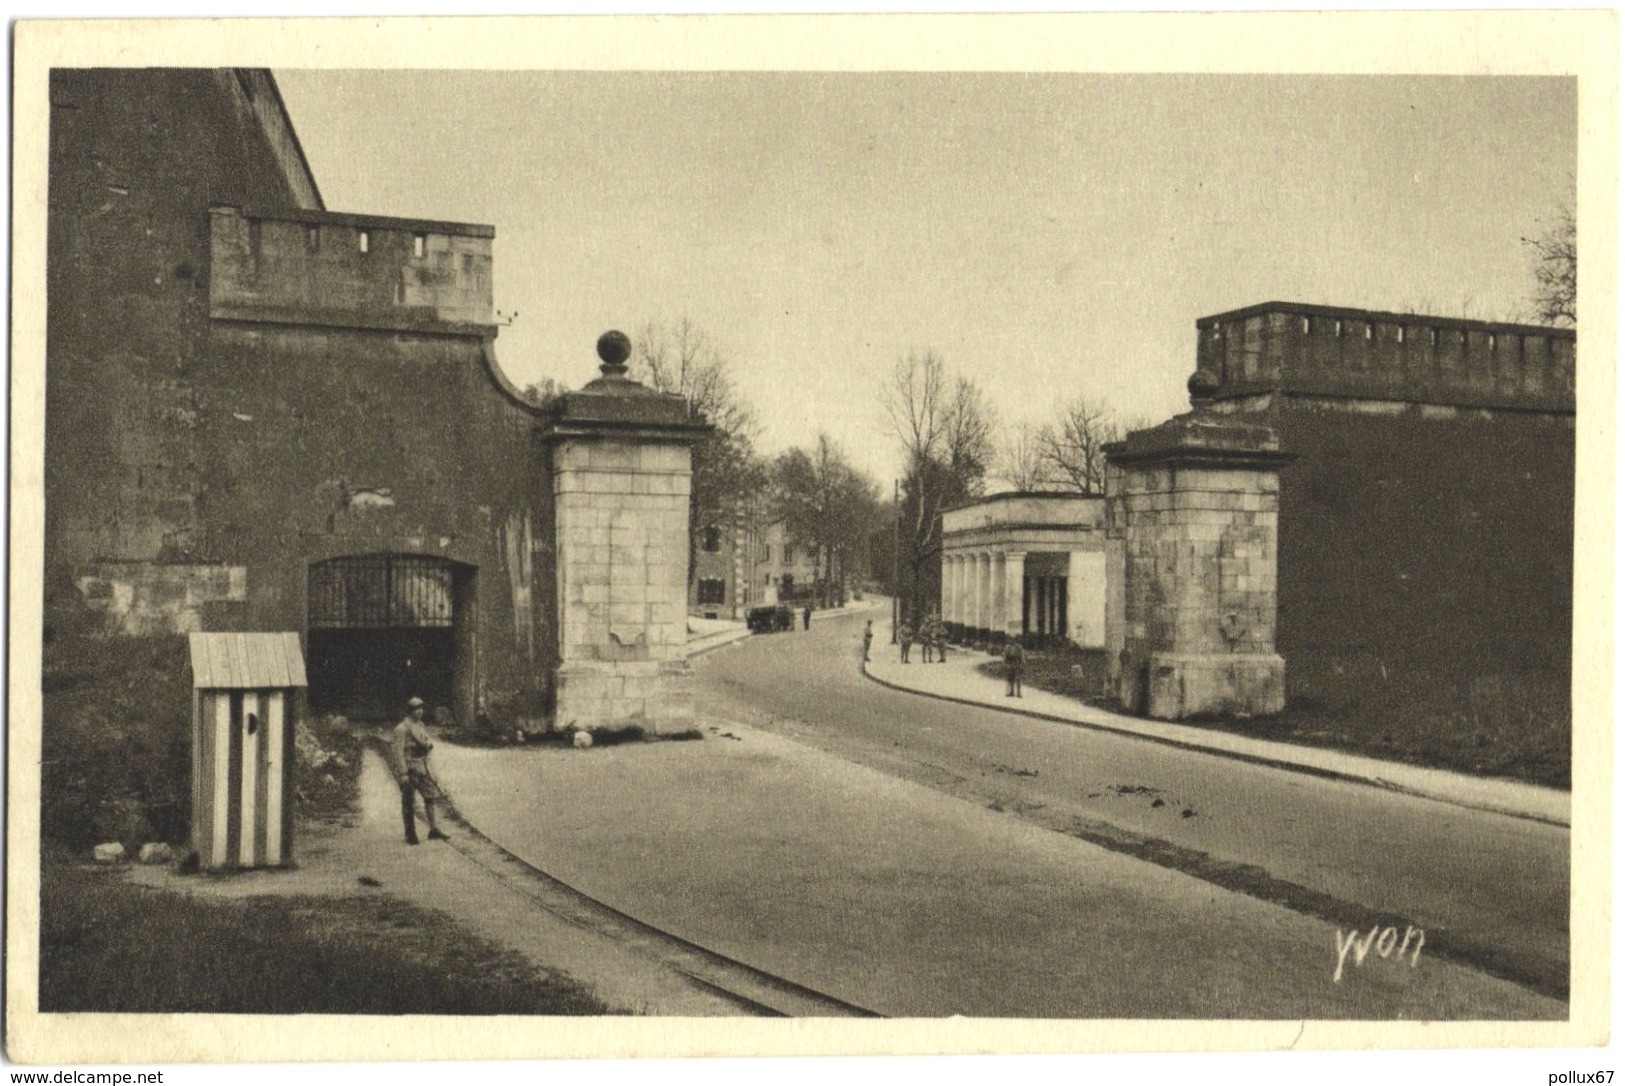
[{"x": 387, "y": 627}]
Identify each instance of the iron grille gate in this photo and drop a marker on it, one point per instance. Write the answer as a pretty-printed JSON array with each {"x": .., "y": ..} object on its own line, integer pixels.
[{"x": 380, "y": 591}]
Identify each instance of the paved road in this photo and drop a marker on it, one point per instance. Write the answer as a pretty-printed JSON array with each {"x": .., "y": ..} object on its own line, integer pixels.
[
  {"x": 1489, "y": 890},
  {"x": 908, "y": 902}
]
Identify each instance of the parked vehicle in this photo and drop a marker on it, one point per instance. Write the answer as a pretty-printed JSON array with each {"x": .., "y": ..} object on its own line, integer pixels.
[{"x": 774, "y": 618}]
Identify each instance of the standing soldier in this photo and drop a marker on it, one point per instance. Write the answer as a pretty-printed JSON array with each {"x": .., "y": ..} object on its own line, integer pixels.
[
  {"x": 1015, "y": 662},
  {"x": 412, "y": 744},
  {"x": 905, "y": 638},
  {"x": 926, "y": 638},
  {"x": 868, "y": 638},
  {"x": 939, "y": 637}
]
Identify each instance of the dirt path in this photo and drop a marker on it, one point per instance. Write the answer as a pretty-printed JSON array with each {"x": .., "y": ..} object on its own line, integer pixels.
[{"x": 332, "y": 861}]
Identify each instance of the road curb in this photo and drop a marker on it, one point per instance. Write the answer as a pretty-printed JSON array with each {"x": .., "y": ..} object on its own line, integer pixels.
[{"x": 1288, "y": 765}]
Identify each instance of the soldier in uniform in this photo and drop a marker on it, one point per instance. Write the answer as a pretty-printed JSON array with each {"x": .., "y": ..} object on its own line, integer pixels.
[
  {"x": 412, "y": 744},
  {"x": 939, "y": 637},
  {"x": 1015, "y": 662}
]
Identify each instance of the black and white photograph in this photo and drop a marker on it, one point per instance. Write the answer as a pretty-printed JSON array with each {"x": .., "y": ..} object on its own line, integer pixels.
[{"x": 526, "y": 533}]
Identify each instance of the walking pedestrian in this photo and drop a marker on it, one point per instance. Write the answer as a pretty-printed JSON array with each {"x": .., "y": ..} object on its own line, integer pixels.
[
  {"x": 1015, "y": 662},
  {"x": 806, "y": 617},
  {"x": 412, "y": 744},
  {"x": 868, "y": 638},
  {"x": 905, "y": 638}
]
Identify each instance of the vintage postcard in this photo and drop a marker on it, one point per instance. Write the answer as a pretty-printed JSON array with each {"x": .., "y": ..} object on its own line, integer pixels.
[{"x": 545, "y": 538}]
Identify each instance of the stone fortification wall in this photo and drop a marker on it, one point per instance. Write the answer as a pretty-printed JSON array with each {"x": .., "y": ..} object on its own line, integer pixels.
[
  {"x": 1427, "y": 525},
  {"x": 137, "y": 157},
  {"x": 321, "y": 267},
  {"x": 1434, "y": 550},
  {"x": 1357, "y": 353},
  {"x": 249, "y": 391}
]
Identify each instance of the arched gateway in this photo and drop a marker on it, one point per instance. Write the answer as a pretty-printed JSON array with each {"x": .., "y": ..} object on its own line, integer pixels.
[{"x": 387, "y": 627}]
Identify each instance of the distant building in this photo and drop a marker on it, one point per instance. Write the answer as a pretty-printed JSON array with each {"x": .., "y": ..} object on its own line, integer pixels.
[
  {"x": 739, "y": 567},
  {"x": 784, "y": 568},
  {"x": 1028, "y": 565},
  {"x": 721, "y": 587}
]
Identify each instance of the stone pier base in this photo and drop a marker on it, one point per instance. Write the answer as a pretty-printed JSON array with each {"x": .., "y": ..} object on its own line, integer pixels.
[
  {"x": 656, "y": 695},
  {"x": 1191, "y": 520},
  {"x": 1183, "y": 685}
]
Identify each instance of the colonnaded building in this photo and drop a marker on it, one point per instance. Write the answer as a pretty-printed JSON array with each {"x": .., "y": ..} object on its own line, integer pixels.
[
  {"x": 265, "y": 415},
  {"x": 1356, "y": 498}
]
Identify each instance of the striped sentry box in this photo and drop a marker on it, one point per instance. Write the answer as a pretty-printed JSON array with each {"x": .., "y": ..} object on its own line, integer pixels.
[{"x": 244, "y": 698}]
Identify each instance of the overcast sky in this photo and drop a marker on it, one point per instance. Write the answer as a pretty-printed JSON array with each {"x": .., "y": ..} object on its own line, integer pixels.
[{"x": 1049, "y": 235}]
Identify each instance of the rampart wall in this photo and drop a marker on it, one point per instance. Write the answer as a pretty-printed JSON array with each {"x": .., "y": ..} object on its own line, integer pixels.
[
  {"x": 234, "y": 394},
  {"x": 1327, "y": 351},
  {"x": 1427, "y": 522}
]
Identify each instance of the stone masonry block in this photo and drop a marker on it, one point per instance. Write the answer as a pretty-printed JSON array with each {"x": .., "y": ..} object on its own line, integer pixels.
[
  {"x": 611, "y": 456},
  {"x": 625, "y": 592},
  {"x": 666, "y": 458}
]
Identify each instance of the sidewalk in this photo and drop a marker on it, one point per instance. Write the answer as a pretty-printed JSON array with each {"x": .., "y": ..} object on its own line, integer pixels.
[{"x": 958, "y": 680}]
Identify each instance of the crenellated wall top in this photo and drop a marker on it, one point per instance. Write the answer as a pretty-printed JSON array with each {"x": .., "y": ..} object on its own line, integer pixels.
[{"x": 1370, "y": 354}]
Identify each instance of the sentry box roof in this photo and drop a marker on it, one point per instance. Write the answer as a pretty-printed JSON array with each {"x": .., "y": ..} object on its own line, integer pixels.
[{"x": 246, "y": 661}]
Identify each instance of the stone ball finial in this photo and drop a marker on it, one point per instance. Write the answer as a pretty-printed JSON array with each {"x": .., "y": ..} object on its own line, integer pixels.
[
  {"x": 1202, "y": 386},
  {"x": 614, "y": 348}
]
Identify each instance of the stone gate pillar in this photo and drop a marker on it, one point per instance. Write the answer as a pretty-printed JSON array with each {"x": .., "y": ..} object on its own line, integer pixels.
[
  {"x": 620, "y": 455},
  {"x": 1191, "y": 520}
]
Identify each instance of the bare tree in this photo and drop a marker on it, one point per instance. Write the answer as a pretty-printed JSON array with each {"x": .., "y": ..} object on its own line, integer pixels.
[
  {"x": 542, "y": 392},
  {"x": 728, "y": 475},
  {"x": 829, "y": 507},
  {"x": 1555, "y": 266},
  {"x": 1072, "y": 447},
  {"x": 1021, "y": 461},
  {"x": 944, "y": 426}
]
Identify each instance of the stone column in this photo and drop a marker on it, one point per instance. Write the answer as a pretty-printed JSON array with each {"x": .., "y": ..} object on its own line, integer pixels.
[
  {"x": 1194, "y": 502},
  {"x": 969, "y": 616},
  {"x": 995, "y": 615},
  {"x": 1015, "y": 564},
  {"x": 621, "y": 471},
  {"x": 958, "y": 615},
  {"x": 984, "y": 594},
  {"x": 946, "y": 605}
]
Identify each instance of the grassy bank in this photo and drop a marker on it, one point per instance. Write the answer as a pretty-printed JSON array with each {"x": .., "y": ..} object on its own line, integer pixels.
[{"x": 109, "y": 945}]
